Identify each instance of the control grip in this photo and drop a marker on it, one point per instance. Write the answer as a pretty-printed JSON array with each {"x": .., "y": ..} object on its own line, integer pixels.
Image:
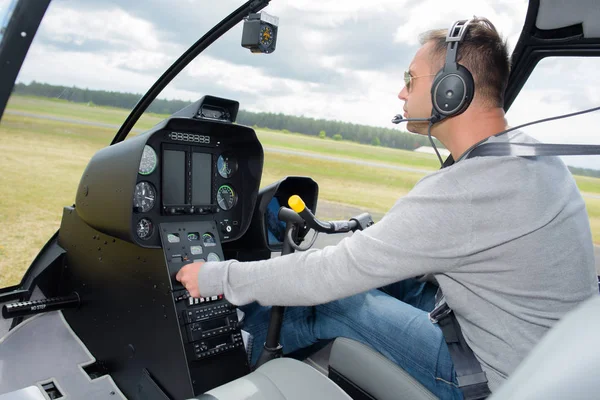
[{"x": 24, "y": 308}]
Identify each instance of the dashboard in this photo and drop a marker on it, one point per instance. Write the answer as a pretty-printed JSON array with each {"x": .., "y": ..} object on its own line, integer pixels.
[
  {"x": 200, "y": 173},
  {"x": 188, "y": 168}
]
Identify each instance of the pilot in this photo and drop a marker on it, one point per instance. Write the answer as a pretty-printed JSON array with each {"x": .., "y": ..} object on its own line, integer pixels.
[{"x": 506, "y": 239}]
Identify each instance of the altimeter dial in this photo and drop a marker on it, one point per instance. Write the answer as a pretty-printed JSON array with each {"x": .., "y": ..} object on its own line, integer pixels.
[{"x": 144, "y": 197}]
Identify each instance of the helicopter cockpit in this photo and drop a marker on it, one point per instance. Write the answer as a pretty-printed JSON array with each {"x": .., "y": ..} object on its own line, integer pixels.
[{"x": 100, "y": 313}]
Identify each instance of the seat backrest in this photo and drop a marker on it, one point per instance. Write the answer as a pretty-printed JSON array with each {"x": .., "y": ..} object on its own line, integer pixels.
[{"x": 566, "y": 362}]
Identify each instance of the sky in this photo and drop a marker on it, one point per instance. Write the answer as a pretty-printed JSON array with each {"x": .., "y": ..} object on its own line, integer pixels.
[{"x": 340, "y": 60}]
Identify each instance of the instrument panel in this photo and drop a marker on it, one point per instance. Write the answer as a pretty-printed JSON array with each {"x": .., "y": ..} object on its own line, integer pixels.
[{"x": 199, "y": 173}]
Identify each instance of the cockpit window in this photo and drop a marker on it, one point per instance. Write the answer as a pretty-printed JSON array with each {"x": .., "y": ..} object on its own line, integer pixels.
[
  {"x": 6, "y": 9},
  {"x": 87, "y": 67},
  {"x": 562, "y": 86},
  {"x": 320, "y": 104}
]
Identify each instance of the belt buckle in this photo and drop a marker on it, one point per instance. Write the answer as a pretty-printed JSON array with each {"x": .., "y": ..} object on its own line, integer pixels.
[{"x": 440, "y": 310}]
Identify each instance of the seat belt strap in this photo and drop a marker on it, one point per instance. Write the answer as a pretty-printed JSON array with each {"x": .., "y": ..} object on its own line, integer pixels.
[
  {"x": 533, "y": 149},
  {"x": 472, "y": 380}
]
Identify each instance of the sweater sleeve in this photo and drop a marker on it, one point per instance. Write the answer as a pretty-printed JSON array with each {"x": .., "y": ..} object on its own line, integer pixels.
[{"x": 425, "y": 232}]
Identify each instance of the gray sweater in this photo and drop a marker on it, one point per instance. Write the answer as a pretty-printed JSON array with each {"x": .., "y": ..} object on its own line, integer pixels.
[{"x": 507, "y": 239}]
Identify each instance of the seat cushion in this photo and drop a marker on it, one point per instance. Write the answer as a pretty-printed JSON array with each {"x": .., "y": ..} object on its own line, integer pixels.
[
  {"x": 279, "y": 379},
  {"x": 373, "y": 373}
]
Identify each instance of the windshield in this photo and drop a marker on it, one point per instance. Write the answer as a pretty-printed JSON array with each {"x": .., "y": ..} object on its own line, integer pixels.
[
  {"x": 321, "y": 103},
  {"x": 88, "y": 65},
  {"x": 6, "y": 9}
]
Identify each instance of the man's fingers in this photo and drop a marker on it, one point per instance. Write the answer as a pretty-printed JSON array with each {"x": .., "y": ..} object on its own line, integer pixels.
[{"x": 181, "y": 272}]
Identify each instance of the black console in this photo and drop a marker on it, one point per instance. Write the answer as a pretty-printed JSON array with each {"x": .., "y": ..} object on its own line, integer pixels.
[{"x": 209, "y": 324}]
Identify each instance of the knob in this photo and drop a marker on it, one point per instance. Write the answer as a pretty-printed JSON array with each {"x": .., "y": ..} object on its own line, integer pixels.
[{"x": 226, "y": 228}]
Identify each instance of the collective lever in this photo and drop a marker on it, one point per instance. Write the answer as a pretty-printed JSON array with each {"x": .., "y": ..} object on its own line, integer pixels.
[{"x": 24, "y": 308}]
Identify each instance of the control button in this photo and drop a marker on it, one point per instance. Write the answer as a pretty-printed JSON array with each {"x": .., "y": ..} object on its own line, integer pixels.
[
  {"x": 195, "y": 250},
  {"x": 176, "y": 259},
  {"x": 191, "y": 301},
  {"x": 214, "y": 298},
  {"x": 173, "y": 238}
]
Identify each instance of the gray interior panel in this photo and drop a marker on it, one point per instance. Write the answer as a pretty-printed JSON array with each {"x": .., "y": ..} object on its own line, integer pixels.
[
  {"x": 279, "y": 379},
  {"x": 44, "y": 348},
  {"x": 565, "y": 364},
  {"x": 560, "y": 13},
  {"x": 320, "y": 359},
  {"x": 4, "y": 323},
  {"x": 28, "y": 393}
]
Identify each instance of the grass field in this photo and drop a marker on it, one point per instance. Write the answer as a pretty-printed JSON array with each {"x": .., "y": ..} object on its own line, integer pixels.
[{"x": 42, "y": 162}]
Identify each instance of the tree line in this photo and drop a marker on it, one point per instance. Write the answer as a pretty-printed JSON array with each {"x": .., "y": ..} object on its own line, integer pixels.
[{"x": 336, "y": 130}]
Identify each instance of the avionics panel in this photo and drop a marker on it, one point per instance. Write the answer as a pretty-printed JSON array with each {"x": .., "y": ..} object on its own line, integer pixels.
[{"x": 212, "y": 340}]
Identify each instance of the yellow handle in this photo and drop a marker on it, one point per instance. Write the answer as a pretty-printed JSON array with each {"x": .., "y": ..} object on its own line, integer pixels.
[{"x": 296, "y": 203}]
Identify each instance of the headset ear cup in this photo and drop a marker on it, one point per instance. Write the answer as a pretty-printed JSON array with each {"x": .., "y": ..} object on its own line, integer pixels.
[{"x": 452, "y": 91}]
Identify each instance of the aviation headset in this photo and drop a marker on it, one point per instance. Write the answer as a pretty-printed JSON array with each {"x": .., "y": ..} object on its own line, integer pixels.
[{"x": 453, "y": 86}]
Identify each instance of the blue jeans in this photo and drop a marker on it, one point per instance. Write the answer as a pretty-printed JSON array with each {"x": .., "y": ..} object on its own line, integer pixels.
[{"x": 393, "y": 320}]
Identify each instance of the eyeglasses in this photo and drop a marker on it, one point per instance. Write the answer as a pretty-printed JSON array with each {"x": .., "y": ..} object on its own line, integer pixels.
[{"x": 408, "y": 78}]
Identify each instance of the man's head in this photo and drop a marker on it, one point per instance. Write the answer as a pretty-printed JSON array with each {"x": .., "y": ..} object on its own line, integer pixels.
[{"x": 482, "y": 51}]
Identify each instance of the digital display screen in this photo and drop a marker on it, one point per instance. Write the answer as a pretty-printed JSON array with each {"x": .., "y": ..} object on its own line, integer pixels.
[
  {"x": 201, "y": 178},
  {"x": 173, "y": 180},
  {"x": 218, "y": 323},
  {"x": 213, "y": 342}
]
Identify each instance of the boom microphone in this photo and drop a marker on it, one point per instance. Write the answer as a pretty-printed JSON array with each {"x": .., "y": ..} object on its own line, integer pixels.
[{"x": 399, "y": 118}]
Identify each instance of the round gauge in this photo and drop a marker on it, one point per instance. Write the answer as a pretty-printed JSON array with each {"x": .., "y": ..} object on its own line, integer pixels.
[
  {"x": 227, "y": 165},
  {"x": 209, "y": 240},
  {"x": 144, "y": 228},
  {"x": 212, "y": 257},
  {"x": 148, "y": 161},
  {"x": 266, "y": 35},
  {"x": 144, "y": 196},
  {"x": 226, "y": 197},
  {"x": 193, "y": 236}
]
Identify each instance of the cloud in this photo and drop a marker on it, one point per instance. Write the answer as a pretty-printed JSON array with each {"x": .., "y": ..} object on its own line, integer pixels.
[{"x": 341, "y": 61}]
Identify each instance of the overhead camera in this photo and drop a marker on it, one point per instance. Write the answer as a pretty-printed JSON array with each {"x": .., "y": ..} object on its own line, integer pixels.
[{"x": 260, "y": 32}]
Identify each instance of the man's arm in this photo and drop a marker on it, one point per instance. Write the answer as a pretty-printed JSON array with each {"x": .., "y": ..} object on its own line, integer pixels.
[{"x": 425, "y": 232}]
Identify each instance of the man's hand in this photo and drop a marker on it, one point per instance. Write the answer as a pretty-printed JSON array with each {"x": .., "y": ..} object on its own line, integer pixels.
[{"x": 188, "y": 276}]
